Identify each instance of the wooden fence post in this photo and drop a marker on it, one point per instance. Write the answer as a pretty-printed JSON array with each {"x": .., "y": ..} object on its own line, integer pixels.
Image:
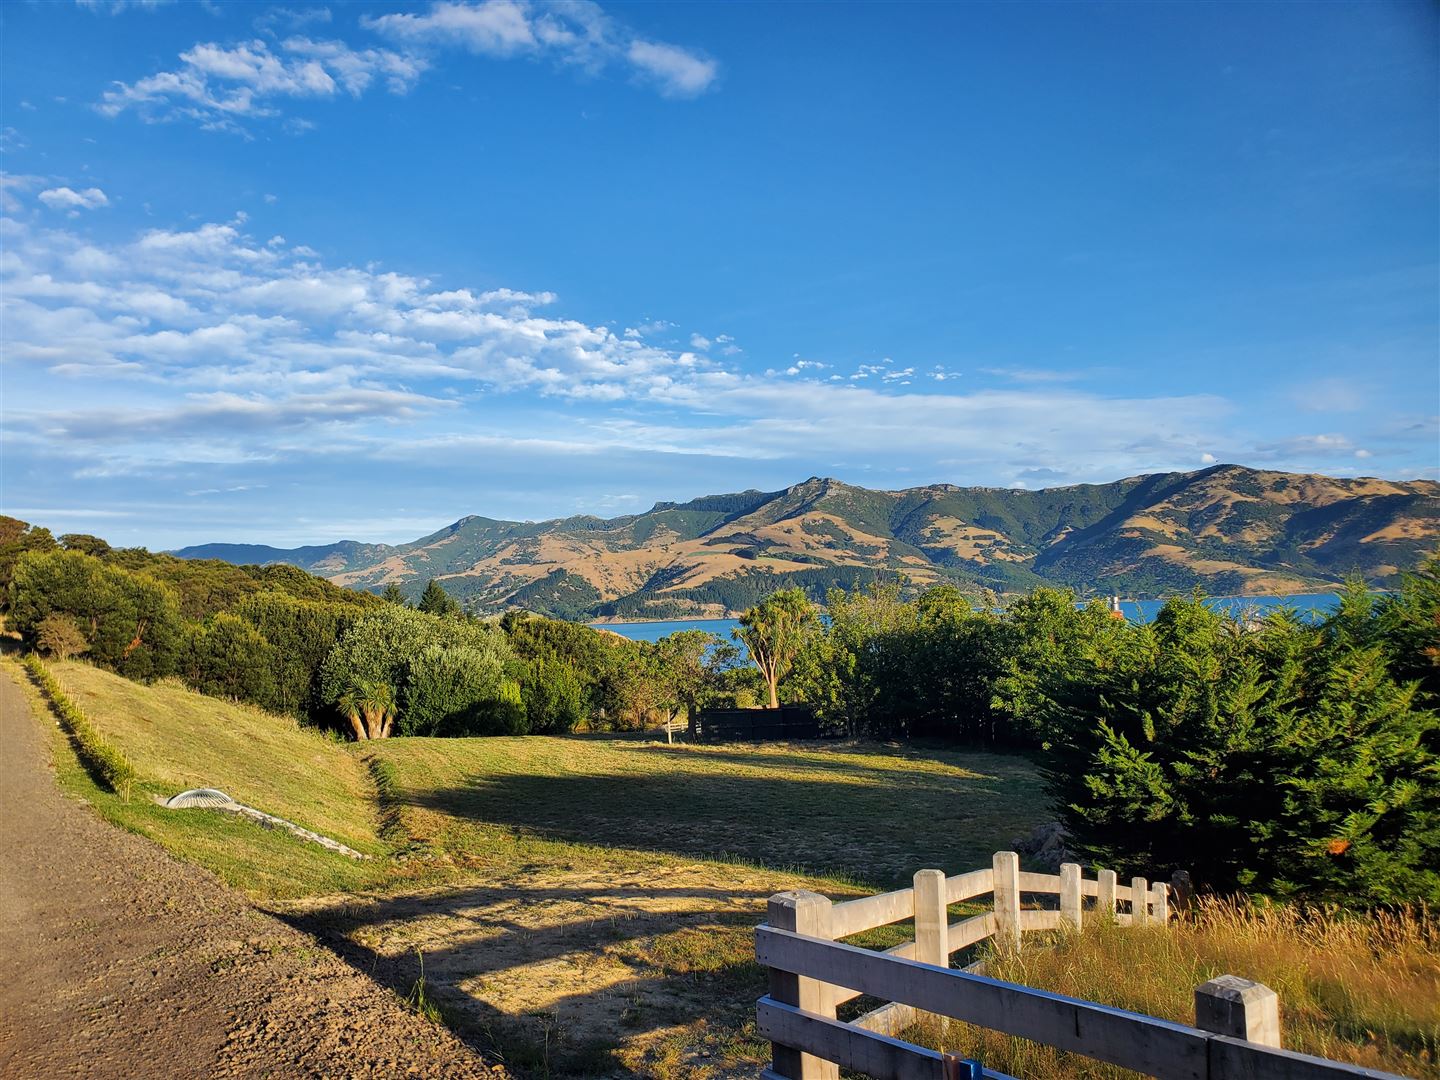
[
  {"x": 1006, "y": 868},
  {"x": 1240, "y": 1008},
  {"x": 805, "y": 913},
  {"x": 1162, "y": 903},
  {"x": 1139, "y": 901},
  {"x": 932, "y": 923},
  {"x": 1070, "y": 895},
  {"x": 1105, "y": 894},
  {"x": 1184, "y": 890}
]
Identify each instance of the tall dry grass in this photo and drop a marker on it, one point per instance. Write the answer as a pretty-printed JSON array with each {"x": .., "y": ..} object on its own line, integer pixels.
[{"x": 1360, "y": 989}]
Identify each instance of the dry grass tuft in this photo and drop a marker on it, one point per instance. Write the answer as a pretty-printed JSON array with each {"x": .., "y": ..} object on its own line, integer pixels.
[{"x": 1360, "y": 989}]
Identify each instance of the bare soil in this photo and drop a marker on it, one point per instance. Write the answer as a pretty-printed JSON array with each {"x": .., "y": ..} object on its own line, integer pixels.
[{"x": 118, "y": 961}]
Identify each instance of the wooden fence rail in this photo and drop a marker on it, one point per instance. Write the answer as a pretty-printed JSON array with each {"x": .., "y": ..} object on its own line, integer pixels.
[{"x": 1237, "y": 1033}]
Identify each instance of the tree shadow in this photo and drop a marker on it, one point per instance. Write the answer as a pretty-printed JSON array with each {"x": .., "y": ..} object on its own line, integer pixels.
[
  {"x": 873, "y": 830},
  {"x": 592, "y": 980}
]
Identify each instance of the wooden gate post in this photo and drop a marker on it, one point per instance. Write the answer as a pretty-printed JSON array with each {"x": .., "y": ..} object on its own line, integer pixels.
[
  {"x": 1162, "y": 904},
  {"x": 805, "y": 913},
  {"x": 1070, "y": 895},
  {"x": 1240, "y": 1008},
  {"x": 1105, "y": 894},
  {"x": 1139, "y": 901},
  {"x": 1006, "y": 868}
]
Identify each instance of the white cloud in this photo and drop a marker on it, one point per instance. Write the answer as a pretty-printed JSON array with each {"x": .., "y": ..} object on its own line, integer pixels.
[
  {"x": 218, "y": 86},
  {"x": 204, "y": 344},
  {"x": 13, "y": 183},
  {"x": 116, "y": 7},
  {"x": 71, "y": 201},
  {"x": 699, "y": 341},
  {"x": 493, "y": 27},
  {"x": 577, "y": 33},
  {"x": 677, "y": 72},
  {"x": 1207, "y": 459}
]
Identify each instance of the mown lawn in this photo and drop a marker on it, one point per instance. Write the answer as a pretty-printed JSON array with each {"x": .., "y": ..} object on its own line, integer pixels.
[{"x": 866, "y": 814}]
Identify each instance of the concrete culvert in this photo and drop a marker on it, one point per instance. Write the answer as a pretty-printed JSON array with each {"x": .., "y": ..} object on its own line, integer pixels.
[
  {"x": 201, "y": 797},
  {"x": 207, "y": 798}
]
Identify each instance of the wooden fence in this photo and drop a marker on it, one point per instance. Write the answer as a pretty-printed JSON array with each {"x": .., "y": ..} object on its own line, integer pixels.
[
  {"x": 811, "y": 973},
  {"x": 754, "y": 725}
]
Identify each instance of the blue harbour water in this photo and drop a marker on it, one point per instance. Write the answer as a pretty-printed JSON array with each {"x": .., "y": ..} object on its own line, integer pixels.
[{"x": 1312, "y": 605}]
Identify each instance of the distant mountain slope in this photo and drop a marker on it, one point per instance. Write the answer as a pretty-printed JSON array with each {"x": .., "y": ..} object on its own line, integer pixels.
[{"x": 1228, "y": 529}]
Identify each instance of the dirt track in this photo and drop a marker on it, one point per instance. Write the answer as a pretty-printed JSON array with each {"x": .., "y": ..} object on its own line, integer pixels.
[{"x": 117, "y": 961}]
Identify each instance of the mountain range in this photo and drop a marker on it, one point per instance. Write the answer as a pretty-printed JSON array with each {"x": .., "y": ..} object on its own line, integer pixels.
[{"x": 1228, "y": 529}]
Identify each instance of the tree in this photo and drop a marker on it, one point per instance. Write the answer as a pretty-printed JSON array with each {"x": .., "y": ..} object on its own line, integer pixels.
[
  {"x": 682, "y": 673},
  {"x": 227, "y": 657},
  {"x": 393, "y": 595},
  {"x": 302, "y": 634},
  {"x": 436, "y": 601},
  {"x": 774, "y": 631},
  {"x": 369, "y": 707},
  {"x": 451, "y": 691},
  {"x": 16, "y": 538},
  {"x": 57, "y": 636},
  {"x": 85, "y": 544},
  {"x": 384, "y": 647},
  {"x": 130, "y": 620},
  {"x": 1282, "y": 760},
  {"x": 554, "y": 701}
]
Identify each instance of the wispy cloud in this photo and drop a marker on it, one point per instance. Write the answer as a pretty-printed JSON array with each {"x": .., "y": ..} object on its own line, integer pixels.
[
  {"x": 221, "y": 86},
  {"x": 576, "y": 32},
  {"x": 116, "y": 7}
]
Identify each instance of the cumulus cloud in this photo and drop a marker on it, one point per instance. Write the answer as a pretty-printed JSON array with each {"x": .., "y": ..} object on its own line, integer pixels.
[
  {"x": 72, "y": 202},
  {"x": 201, "y": 347}
]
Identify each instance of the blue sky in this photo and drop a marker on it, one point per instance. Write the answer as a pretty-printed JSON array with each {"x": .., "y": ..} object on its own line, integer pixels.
[{"x": 291, "y": 274}]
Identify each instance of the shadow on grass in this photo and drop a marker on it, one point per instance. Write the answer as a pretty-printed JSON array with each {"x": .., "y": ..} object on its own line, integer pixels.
[
  {"x": 877, "y": 833},
  {"x": 689, "y": 964}
]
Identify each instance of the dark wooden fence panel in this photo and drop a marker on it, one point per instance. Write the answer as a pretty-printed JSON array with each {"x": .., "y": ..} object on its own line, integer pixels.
[{"x": 755, "y": 725}]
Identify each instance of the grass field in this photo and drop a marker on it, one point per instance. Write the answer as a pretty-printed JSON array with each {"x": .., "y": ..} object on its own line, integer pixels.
[
  {"x": 585, "y": 906},
  {"x": 868, "y": 815},
  {"x": 581, "y": 905}
]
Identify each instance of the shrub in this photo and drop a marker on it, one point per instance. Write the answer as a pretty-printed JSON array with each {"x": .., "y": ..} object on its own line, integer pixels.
[
  {"x": 302, "y": 634},
  {"x": 553, "y": 700},
  {"x": 385, "y": 646},
  {"x": 58, "y": 637}
]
